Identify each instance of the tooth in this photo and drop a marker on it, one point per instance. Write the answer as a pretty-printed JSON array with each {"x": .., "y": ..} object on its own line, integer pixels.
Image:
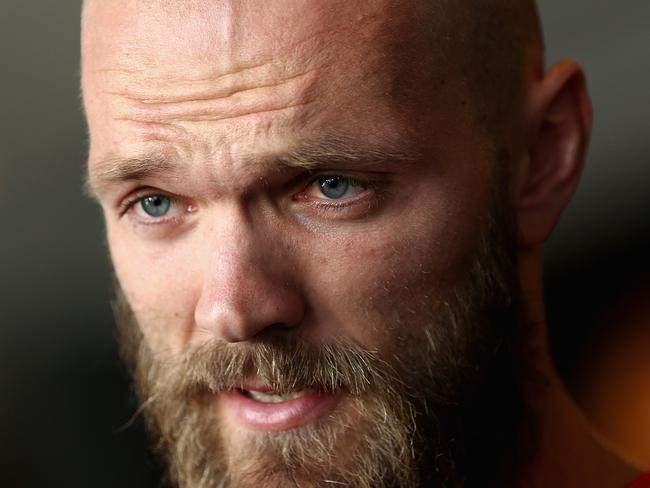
[{"x": 271, "y": 398}]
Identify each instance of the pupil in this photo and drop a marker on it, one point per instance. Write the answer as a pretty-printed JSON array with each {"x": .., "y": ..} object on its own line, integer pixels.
[
  {"x": 333, "y": 186},
  {"x": 156, "y": 205}
]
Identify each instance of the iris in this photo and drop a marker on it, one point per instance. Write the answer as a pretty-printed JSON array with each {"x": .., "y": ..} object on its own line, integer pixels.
[
  {"x": 334, "y": 187},
  {"x": 156, "y": 205}
]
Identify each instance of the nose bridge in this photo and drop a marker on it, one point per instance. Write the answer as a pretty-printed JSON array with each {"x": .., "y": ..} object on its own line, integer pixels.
[
  {"x": 237, "y": 263},
  {"x": 232, "y": 242},
  {"x": 246, "y": 282}
]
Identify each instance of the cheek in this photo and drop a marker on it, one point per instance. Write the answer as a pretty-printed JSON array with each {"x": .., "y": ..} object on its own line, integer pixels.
[
  {"x": 369, "y": 284},
  {"x": 159, "y": 287}
]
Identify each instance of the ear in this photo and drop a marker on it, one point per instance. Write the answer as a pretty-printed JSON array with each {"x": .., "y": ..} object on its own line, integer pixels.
[{"x": 558, "y": 125}]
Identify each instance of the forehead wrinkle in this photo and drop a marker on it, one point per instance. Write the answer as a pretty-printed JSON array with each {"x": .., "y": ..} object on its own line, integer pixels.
[
  {"x": 207, "y": 114},
  {"x": 138, "y": 84},
  {"x": 217, "y": 101}
]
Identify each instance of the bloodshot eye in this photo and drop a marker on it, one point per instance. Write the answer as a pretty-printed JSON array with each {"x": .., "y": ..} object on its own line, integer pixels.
[{"x": 155, "y": 206}]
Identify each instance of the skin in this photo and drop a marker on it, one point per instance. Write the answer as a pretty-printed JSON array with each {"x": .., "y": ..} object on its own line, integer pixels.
[
  {"x": 235, "y": 93},
  {"x": 223, "y": 285}
]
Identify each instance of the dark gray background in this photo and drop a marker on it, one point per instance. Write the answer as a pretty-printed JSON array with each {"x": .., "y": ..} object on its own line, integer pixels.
[{"x": 63, "y": 396}]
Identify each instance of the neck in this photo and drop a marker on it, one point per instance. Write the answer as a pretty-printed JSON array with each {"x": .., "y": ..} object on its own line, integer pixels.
[{"x": 567, "y": 453}]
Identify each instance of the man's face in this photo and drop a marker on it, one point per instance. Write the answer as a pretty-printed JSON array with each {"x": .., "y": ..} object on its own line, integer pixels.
[{"x": 300, "y": 193}]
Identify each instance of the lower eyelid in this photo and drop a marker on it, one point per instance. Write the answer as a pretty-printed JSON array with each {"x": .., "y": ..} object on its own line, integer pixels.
[
  {"x": 175, "y": 219},
  {"x": 361, "y": 204}
]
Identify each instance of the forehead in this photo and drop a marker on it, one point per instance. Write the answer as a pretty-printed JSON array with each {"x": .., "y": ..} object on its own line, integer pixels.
[
  {"x": 213, "y": 37},
  {"x": 232, "y": 72}
]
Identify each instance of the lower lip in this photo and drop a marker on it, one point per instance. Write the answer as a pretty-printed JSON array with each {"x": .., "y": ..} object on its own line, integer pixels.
[{"x": 278, "y": 416}]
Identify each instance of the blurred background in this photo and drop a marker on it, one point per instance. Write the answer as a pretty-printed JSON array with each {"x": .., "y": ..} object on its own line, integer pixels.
[{"x": 64, "y": 397}]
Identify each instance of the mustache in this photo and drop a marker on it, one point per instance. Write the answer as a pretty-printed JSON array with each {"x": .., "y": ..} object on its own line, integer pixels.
[{"x": 283, "y": 366}]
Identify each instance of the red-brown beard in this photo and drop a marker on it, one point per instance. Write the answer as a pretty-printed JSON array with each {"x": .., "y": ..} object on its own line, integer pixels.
[{"x": 436, "y": 411}]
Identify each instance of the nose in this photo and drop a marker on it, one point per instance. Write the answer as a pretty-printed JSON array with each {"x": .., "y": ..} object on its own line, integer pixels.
[{"x": 247, "y": 286}]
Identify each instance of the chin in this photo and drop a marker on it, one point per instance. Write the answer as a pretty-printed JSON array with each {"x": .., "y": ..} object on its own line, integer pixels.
[{"x": 338, "y": 449}]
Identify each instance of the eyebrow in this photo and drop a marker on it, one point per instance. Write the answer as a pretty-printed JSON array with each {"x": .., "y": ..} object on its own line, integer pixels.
[
  {"x": 344, "y": 150},
  {"x": 115, "y": 170},
  {"x": 308, "y": 155}
]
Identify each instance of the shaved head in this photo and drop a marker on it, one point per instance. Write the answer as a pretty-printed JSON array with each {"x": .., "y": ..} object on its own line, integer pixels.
[
  {"x": 494, "y": 47},
  {"x": 497, "y": 46}
]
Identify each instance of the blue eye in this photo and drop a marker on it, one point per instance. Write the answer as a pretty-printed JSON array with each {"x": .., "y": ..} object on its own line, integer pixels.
[
  {"x": 333, "y": 187},
  {"x": 156, "y": 205}
]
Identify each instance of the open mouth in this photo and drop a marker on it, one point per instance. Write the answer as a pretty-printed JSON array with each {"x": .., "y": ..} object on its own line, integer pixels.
[
  {"x": 260, "y": 408},
  {"x": 270, "y": 397}
]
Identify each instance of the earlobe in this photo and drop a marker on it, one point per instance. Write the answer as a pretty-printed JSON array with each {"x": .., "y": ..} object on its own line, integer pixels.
[{"x": 558, "y": 126}]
